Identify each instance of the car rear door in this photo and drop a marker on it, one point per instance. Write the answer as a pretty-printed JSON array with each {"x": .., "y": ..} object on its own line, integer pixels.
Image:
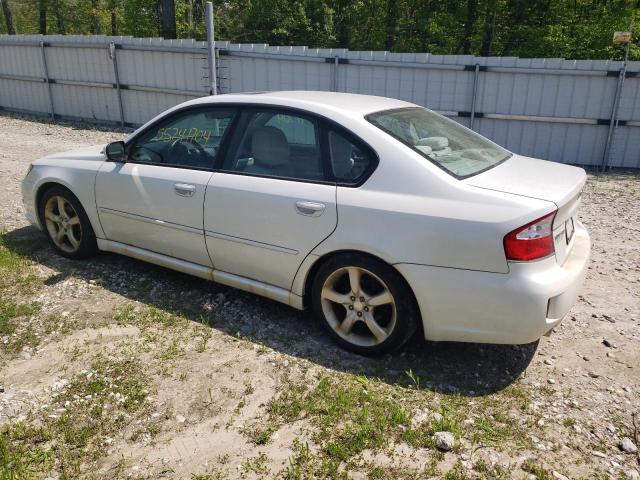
[
  {"x": 271, "y": 203},
  {"x": 155, "y": 199}
]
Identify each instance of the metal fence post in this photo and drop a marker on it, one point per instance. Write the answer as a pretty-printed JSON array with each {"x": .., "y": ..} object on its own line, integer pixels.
[
  {"x": 336, "y": 62},
  {"x": 211, "y": 51},
  {"x": 46, "y": 79},
  {"x": 614, "y": 116},
  {"x": 616, "y": 103},
  {"x": 476, "y": 73},
  {"x": 114, "y": 59}
]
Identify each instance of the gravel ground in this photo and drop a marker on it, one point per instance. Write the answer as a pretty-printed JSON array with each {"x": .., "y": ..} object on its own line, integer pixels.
[{"x": 219, "y": 369}]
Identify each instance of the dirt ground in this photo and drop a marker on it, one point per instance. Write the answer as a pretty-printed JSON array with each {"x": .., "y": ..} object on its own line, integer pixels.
[{"x": 113, "y": 368}]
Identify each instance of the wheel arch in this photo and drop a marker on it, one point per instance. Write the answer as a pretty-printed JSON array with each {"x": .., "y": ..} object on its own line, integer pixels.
[
  {"x": 312, "y": 270},
  {"x": 41, "y": 190},
  {"x": 47, "y": 184}
]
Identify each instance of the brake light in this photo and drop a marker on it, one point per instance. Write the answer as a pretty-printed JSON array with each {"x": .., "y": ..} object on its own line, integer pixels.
[{"x": 531, "y": 241}]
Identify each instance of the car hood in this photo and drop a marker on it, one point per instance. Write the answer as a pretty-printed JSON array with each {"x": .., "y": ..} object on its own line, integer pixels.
[
  {"x": 90, "y": 153},
  {"x": 531, "y": 177}
]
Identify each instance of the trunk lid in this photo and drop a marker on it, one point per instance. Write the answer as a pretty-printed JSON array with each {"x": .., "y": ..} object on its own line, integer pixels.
[{"x": 544, "y": 180}]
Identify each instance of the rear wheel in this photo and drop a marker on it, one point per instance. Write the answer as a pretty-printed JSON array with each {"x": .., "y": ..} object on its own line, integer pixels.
[
  {"x": 364, "y": 304},
  {"x": 66, "y": 224}
]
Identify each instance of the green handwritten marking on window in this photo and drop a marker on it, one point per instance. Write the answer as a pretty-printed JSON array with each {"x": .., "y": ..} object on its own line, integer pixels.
[{"x": 194, "y": 134}]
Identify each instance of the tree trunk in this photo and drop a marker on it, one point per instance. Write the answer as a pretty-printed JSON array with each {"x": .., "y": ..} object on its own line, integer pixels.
[
  {"x": 168, "y": 18},
  {"x": 8, "y": 17},
  {"x": 518, "y": 10},
  {"x": 57, "y": 12},
  {"x": 42, "y": 16},
  {"x": 472, "y": 10},
  {"x": 392, "y": 23},
  {"x": 342, "y": 25},
  {"x": 489, "y": 29},
  {"x": 94, "y": 27}
]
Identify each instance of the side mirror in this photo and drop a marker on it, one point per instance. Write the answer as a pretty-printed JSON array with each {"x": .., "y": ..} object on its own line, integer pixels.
[{"x": 115, "y": 151}]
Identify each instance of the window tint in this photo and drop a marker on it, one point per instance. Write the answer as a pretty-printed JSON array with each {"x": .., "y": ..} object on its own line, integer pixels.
[
  {"x": 276, "y": 144},
  {"x": 189, "y": 139},
  {"x": 349, "y": 162}
]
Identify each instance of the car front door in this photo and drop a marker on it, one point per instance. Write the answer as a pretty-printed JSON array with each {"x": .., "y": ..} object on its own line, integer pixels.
[
  {"x": 155, "y": 199},
  {"x": 271, "y": 203}
]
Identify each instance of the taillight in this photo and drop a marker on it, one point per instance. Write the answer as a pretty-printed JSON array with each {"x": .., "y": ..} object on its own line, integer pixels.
[{"x": 531, "y": 241}]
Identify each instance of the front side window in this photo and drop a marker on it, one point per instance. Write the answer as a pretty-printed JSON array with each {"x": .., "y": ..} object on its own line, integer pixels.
[
  {"x": 457, "y": 150},
  {"x": 189, "y": 139},
  {"x": 276, "y": 144}
]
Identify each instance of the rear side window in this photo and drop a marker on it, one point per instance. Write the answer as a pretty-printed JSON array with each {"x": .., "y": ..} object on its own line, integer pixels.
[
  {"x": 350, "y": 161},
  {"x": 273, "y": 143},
  {"x": 297, "y": 130}
]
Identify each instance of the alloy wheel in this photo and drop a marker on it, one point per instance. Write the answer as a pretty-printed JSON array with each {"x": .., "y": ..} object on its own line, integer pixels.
[
  {"x": 63, "y": 224},
  {"x": 358, "y": 306}
]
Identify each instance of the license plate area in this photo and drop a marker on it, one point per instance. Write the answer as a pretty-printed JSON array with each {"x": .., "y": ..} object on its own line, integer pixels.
[{"x": 569, "y": 230}]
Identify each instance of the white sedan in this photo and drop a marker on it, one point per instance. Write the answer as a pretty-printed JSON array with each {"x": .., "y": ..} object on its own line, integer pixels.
[{"x": 381, "y": 216}]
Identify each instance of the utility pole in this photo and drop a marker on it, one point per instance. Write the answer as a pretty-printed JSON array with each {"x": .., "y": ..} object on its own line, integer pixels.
[{"x": 211, "y": 51}]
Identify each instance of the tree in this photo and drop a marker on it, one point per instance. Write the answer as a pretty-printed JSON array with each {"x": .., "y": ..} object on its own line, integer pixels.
[
  {"x": 58, "y": 13},
  {"x": 8, "y": 17},
  {"x": 392, "y": 24},
  {"x": 113, "y": 7},
  {"x": 42, "y": 16},
  {"x": 472, "y": 11},
  {"x": 168, "y": 18},
  {"x": 94, "y": 25},
  {"x": 489, "y": 28}
]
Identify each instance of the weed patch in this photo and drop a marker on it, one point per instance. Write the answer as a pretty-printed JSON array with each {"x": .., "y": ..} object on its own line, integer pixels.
[{"x": 70, "y": 433}]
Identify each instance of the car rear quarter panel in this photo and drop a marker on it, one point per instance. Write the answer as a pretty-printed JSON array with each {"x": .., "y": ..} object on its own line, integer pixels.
[{"x": 410, "y": 211}]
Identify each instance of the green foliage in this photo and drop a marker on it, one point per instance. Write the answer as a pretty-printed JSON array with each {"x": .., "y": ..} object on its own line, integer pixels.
[{"x": 575, "y": 29}]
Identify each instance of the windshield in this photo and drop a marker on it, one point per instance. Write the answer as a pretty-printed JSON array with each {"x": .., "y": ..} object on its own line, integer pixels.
[{"x": 452, "y": 147}]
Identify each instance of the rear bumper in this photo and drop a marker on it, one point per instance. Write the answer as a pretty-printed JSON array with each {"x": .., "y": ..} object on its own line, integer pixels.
[{"x": 513, "y": 308}]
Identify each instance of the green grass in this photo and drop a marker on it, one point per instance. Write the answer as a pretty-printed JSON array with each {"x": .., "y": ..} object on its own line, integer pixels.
[
  {"x": 491, "y": 432},
  {"x": 257, "y": 464},
  {"x": 536, "y": 469},
  {"x": 66, "y": 438},
  {"x": 259, "y": 433},
  {"x": 146, "y": 317},
  {"x": 351, "y": 416},
  {"x": 10, "y": 310},
  {"x": 17, "y": 282}
]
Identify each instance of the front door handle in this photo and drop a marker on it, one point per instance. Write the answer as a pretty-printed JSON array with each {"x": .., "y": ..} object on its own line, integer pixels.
[
  {"x": 184, "y": 189},
  {"x": 311, "y": 209}
]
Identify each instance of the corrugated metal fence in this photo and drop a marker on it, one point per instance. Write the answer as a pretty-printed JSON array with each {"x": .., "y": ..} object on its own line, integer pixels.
[{"x": 548, "y": 108}]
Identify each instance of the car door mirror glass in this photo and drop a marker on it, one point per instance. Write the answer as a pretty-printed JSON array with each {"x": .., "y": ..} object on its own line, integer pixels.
[{"x": 115, "y": 151}]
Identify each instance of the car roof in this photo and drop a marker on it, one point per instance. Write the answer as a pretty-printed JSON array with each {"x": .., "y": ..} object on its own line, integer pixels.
[{"x": 312, "y": 100}]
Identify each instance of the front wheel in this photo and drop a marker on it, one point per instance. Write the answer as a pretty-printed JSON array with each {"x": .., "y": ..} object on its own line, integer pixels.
[
  {"x": 364, "y": 304},
  {"x": 66, "y": 224}
]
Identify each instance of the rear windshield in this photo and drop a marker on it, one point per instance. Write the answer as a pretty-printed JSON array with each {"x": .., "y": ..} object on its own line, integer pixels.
[{"x": 454, "y": 148}]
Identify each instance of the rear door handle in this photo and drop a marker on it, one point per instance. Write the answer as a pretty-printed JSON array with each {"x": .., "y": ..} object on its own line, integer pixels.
[
  {"x": 184, "y": 189},
  {"x": 311, "y": 209}
]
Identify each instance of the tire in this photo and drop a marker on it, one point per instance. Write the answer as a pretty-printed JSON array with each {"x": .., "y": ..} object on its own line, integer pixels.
[
  {"x": 69, "y": 231},
  {"x": 377, "y": 319}
]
